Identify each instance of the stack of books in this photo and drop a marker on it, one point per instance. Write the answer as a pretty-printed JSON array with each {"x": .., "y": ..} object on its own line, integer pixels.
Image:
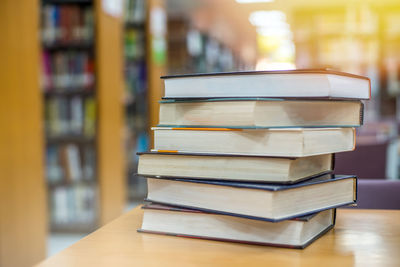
[{"x": 248, "y": 157}]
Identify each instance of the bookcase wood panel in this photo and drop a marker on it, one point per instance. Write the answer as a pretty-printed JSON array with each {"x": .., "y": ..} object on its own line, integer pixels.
[
  {"x": 155, "y": 84},
  {"x": 110, "y": 124},
  {"x": 22, "y": 188}
]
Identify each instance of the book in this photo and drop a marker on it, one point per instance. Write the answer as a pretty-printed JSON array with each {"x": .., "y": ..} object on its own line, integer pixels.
[
  {"x": 286, "y": 142},
  {"x": 260, "y": 113},
  {"x": 68, "y": 71},
  {"x": 89, "y": 128},
  {"x": 76, "y": 119},
  {"x": 270, "y": 202},
  {"x": 135, "y": 11},
  {"x": 89, "y": 163},
  {"x": 66, "y": 24},
  {"x": 74, "y": 164},
  {"x": 307, "y": 83},
  {"x": 234, "y": 168},
  {"x": 296, "y": 233},
  {"x": 73, "y": 205},
  {"x": 53, "y": 168}
]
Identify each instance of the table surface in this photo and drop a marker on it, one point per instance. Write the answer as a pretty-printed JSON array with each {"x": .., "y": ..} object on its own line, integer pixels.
[{"x": 360, "y": 238}]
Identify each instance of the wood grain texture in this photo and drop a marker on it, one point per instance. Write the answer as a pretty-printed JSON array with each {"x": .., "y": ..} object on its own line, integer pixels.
[
  {"x": 109, "y": 75},
  {"x": 360, "y": 238},
  {"x": 23, "y": 222}
]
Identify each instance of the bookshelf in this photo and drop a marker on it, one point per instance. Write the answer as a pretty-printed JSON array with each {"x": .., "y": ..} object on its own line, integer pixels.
[
  {"x": 389, "y": 61},
  {"x": 144, "y": 62},
  {"x": 81, "y": 62},
  {"x": 135, "y": 94},
  {"x": 355, "y": 39},
  {"x": 193, "y": 51}
]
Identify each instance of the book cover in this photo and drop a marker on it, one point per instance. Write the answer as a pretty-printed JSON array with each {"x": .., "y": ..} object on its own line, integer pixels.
[
  {"x": 327, "y": 178},
  {"x": 296, "y": 71},
  {"x": 326, "y": 84}
]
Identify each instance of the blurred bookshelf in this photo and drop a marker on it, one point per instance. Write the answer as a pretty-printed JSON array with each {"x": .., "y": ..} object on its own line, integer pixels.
[
  {"x": 68, "y": 82},
  {"x": 357, "y": 39},
  {"x": 81, "y": 192},
  {"x": 364, "y": 40},
  {"x": 136, "y": 97},
  {"x": 193, "y": 51},
  {"x": 390, "y": 61}
]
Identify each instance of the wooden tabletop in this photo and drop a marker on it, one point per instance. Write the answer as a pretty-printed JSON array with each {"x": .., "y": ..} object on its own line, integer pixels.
[{"x": 360, "y": 238}]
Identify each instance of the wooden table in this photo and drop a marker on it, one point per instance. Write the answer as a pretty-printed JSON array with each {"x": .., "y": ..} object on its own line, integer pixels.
[{"x": 360, "y": 238}]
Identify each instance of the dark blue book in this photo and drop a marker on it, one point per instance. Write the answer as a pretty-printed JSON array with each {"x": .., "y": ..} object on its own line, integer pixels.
[{"x": 269, "y": 202}]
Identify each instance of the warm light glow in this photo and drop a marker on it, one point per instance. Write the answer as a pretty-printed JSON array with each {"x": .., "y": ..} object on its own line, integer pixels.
[
  {"x": 253, "y": 1},
  {"x": 283, "y": 32},
  {"x": 271, "y": 18}
]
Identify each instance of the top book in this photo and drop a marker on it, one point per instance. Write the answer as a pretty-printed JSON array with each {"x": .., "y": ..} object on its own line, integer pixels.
[{"x": 304, "y": 83}]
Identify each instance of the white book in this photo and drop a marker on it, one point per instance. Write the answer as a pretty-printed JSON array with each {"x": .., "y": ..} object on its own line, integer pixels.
[
  {"x": 296, "y": 233},
  {"x": 285, "y": 84},
  {"x": 74, "y": 162},
  {"x": 270, "y": 202},
  {"x": 280, "y": 142},
  {"x": 260, "y": 113},
  {"x": 234, "y": 168},
  {"x": 76, "y": 115}
]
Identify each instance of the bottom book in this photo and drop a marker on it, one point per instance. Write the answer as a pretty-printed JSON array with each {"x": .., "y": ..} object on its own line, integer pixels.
[{"x": 294, "y": 233}]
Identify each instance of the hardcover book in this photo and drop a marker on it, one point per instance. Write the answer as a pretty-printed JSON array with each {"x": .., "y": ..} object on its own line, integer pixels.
[
  {"x": 260, "y": 113},
  {"x": 295, "y": 233},
  {"x": 269, "y": 202},
  {"x": 306, "y": 83},
  {"x": 281, "y": 142},
  {"x": 234, "y": 167}
]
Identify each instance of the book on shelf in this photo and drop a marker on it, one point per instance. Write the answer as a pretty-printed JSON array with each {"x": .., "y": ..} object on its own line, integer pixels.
[
  {"x": 89, "y": 126},
  {"x": 74, "y": 164},
  {"x": 286, "y": 142},
  {"x": 52, "y": 117},
  {"x": 269, "y": 202},
  {"x": 89, "y": 163},
  {"x": 234, "y": 167},
  {"x": 76, "y": 107},
  {"x": 73, "y": 205},
  {"x": 134, "y": 42},
  {"x": 67, "y": 24},
  {"x": 260, "y": 113},
  {"x": 54, "y": 170},
  {"x": 70, "y": 163},
  {"x": 70, "y": 116},
  {"x": 183, "y": 222},
  {"x": 67, "y": 71},
  {"x": 135, "y": 11},
  {"x": 284, "y": 84}
]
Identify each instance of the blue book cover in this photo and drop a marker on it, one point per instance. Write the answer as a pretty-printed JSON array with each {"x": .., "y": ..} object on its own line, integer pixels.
[{"x": 326, "y": 178}]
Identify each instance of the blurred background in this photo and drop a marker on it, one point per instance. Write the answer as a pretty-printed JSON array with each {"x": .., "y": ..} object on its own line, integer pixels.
[{"x": 82, "y": 77}]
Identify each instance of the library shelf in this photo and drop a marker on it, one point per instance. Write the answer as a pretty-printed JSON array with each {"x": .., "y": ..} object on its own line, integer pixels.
[
  {"x": 69, "y": 46},
  {"x": 79, "y": 71},
  {"x": 72, "y": 91}
]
